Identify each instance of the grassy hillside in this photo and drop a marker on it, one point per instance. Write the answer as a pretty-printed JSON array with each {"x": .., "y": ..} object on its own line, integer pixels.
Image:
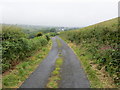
[{"x": 99, "y": 44}]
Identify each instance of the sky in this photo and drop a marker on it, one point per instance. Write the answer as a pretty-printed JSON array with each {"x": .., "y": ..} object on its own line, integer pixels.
[{"x": 66, "y": 13}]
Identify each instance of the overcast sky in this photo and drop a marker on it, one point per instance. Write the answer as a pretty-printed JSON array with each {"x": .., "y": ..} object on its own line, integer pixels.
[{"x": 70, "y": 13}]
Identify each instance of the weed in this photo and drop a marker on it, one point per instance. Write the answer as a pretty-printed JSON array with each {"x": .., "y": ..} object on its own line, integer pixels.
[
  {"x": 55, "y": 77},
  {"x": 59, "y": 43}
]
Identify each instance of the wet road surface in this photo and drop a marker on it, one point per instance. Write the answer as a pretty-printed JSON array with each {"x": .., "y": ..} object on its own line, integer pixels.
[{"x": 72, "y": 74}]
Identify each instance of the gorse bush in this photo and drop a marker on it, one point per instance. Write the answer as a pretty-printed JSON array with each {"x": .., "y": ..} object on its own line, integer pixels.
[
  {"x": 16, "y": 46},
  {"x": 47, "y": 37},
  {"x": 39, "y": 34},
  {"x": 101, "y": 40}
]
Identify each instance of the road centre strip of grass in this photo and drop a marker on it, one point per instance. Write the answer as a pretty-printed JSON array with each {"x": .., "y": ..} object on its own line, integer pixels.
[
  {"x": 17, "y": 76},
  {"x": 59, "y": 43},
  {"x": 54, "y": 79}
]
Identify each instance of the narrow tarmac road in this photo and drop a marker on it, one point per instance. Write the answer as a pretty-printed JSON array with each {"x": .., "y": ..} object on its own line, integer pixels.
[
  {"x": 39, "y": 77},
  {"x": 72, "y": 74}
]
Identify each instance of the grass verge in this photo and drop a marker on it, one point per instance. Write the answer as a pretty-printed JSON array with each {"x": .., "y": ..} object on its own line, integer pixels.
[
  {"x": 16, "y": 77},
  {"x": 54, "y": 79},
  {"x": 97, "y": 78}
]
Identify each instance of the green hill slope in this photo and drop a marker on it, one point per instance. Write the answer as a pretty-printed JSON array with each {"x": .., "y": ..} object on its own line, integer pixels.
[{"x": 100, "y": 41}]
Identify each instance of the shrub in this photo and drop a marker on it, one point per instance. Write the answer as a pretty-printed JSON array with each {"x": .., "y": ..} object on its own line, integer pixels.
[
  {"x": 39, "y": 34},
  {"x": 101, "y": 40},
  {"x": 16, "y": 46}
]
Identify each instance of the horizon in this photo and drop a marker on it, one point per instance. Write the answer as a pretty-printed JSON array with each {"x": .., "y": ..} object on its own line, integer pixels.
[
  {"x": 58, "y": 26},
  {"x": 60, "y": 13}
]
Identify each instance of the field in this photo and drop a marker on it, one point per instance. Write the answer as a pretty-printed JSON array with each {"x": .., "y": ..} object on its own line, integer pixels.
[{"x": 99, "y": 44}]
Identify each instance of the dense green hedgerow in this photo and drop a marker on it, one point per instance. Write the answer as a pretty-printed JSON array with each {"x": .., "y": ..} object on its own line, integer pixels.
[
  {"x": 101, "y": 40},
  {"x": 16, "y": 46},
  {"x": 53, "y": 34}
]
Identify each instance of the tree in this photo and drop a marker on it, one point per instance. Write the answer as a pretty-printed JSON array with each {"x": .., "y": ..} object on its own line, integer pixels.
[
  {"x": 39, "y": 34},
  {"x": 52, "y": 30}
]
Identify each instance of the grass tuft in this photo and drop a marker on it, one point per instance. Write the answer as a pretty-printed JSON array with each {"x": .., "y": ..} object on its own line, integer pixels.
[
  {"x": 55, "y": 76},
  {"x": 59, "y": 43}
]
